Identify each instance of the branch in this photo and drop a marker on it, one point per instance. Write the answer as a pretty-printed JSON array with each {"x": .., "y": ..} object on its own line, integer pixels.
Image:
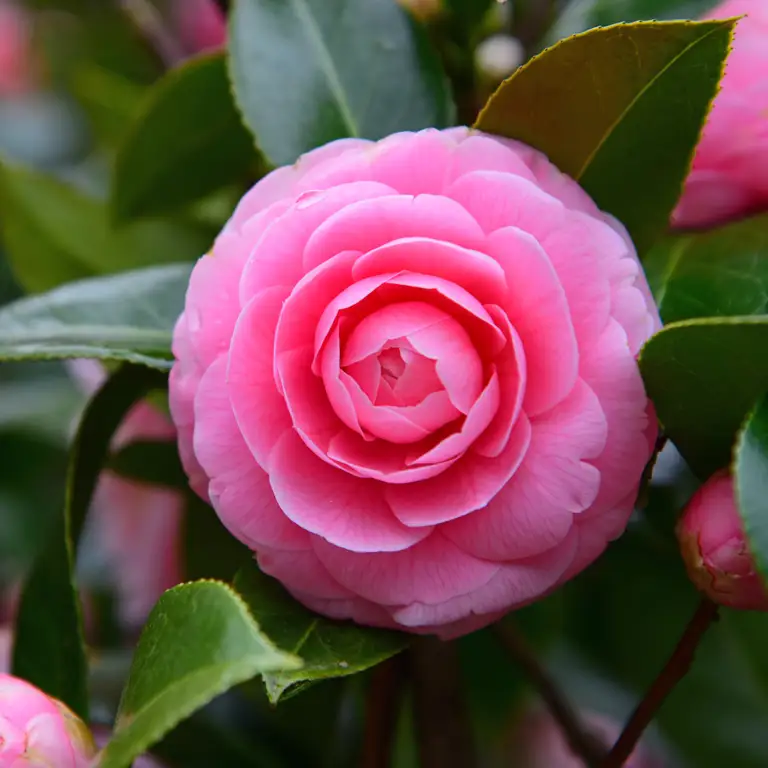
[
  {"x": 385, "y": 695},
  {"x": 442, "y": 722},
  {"x": 674, "y": 671},
  {"x": 582, "y": 742}
]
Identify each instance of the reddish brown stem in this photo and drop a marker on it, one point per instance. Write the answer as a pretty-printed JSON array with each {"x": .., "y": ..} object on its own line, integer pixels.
[
  {"x": 674, "y": 671},
  {"x": 582, "y": 742},
  {"x": 385, "y": 696}
]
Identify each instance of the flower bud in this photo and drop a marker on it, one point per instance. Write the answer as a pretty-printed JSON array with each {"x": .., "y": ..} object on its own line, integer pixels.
[
  {"x": 715, "y": 549},
  {"x": 39, "y": 731}
]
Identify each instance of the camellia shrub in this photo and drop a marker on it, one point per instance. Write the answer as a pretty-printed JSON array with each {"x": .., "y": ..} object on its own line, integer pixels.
[{"x": 353, "y": 416}]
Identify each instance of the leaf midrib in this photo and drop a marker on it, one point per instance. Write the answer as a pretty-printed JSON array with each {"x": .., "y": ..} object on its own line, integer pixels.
[
  {"x": 326, "y": 63},
  {"x": 593, "y": 154}
]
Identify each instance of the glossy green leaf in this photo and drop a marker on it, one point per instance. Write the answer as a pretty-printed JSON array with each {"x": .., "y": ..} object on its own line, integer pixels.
[
  {"x": 306, "y": 72},
  {"x": 750, "y": 469},
  {"x": 718, "y": 273},
  {"x": 328, "y": 648},
  {"x": 187, "y": 141},
  {"x": 150, "y": 461},
  {"x": 619, "y": 109},
  {"x": 119, "y": 317},
  {"x": 704, "y": 376},
  {"x": 53, "y": 234},
  {"x": 49, "y": 650},
  {"x": 172, "y": 677}
]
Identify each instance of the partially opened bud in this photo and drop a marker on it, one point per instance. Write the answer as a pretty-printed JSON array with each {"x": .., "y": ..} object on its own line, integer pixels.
[
  {"x": 38, "y": 731},
  {"x": 715, "y": 548}
]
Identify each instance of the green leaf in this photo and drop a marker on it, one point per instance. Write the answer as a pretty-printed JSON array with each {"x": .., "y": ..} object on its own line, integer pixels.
[
  {"x": 306, "y": 72},
  {"x": 719, "y": 273},
  {"x": 119, "y": 317},
  {"x": 182, "y": 146},
  {"x": 619, "y": 109},
  {"x": 49, "y": 650},
  {"x": 54, "y": 234},
  {"x": 329, "y": 648},
  {"x": 469, "y": 13},
  {"x": 703, "y": 377},
  {"x": 150, "y": 461},
  {"x": 750, "y": 469},
  {"x": 172, "y": 677}
]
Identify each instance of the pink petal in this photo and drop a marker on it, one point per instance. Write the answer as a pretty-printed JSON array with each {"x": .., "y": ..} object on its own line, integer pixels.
[
  {"x": 239, "y": 487},
  {"x": 307, "y": 303},
  {"x": 303, "y": 572},
  {"x": 534, "y": 511},
  {"x": 538, "y": 310},
  {"x": 628, "y": 303},
  {"x": 480, "y": 152},
  {"x": 511, "y": 367},
  {"x": 611, "y": 371},
  {"x": 378, "y": 460},
  {"x": 337, "y": 389},
  {"x": 355, "y": 609},
  {"x": 370, "y": 224},
  {"x": 277, "y": 257},
  {"x": 347, "y": 511},
  {"x": 513, "y": 586},
  {"x": 260, "y": 410},
  {"x": 479, "y": 417},
  {"x": 473, "y": 270},
  {"x": 431, "y": 571},
  {"x": 281, "y": 182},
  {"x": 467, "y": 486},
  {"x": 401, "y": 424}
]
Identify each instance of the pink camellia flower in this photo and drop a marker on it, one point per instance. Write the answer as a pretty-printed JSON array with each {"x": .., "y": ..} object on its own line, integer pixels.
[
  {"x": 16, "y": 67},
  {"x": 200, "y": 24},
  {"x": 715, "y": 548},
  {"x": 137, "y": 524},
  {"x": 729, "y": 178},
  {"x": 539, "y": 743},
  {"x": 38, "y": 731},
  {"x": 406, "y": 378}
]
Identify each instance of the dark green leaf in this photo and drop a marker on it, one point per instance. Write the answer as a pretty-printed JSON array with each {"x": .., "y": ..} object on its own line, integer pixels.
[
  {"x": 704, "y": 376},
  {"x": 153, "y": 462},
  {"x": 119, "y": 317},
  {"x": 720, "y": 273},
  {"x": 49, "y": 650},
  {"x": 328, "y": 648},
  {"x": 54, "y": 234},
  {"x": 619, "y": 109},
  {"x": 469, "y": 13},
  {"x": 172, "y": 677},
  {"x": 187, "y": 141},
  {"x": 750, "y": 468},
  {"x": 306, "y": 72}
]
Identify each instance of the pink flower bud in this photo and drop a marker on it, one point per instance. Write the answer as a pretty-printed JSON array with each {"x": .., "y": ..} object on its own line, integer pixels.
[
  {"x": 16, "y": 71},
  {"x": 39, "y": 731},
  {"x": 539, "y": 743},
  {"x": 200, "y": 24},
  {"x": 715, "y": 549},
  {"x": 729, "y": 178}
]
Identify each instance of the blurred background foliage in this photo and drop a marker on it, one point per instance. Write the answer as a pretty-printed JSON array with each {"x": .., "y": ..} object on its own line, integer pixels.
[{"x": 96, "y": 68}]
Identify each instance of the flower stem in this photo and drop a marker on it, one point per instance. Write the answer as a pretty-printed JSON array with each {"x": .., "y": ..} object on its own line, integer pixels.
[
  {"x": 674, "y": 671},
  {"x": 443, "y": 728},
  {"x": 582, "y": 742},
  {"x": 385, "y": 697}
]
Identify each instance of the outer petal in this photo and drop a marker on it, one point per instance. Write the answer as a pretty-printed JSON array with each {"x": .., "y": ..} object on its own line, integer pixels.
[
  {"x": 260, "y": 410},
  {"x": 239, "y": 487},
  {"x": 302, "y": 572},
  {"x": 432, "y": 571},
  {"x": 347, "y": 511},
  {"x": 538, "y": 310},
  {"x": 534, "y": 512},
  {"x": 277, "y": 258}
]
